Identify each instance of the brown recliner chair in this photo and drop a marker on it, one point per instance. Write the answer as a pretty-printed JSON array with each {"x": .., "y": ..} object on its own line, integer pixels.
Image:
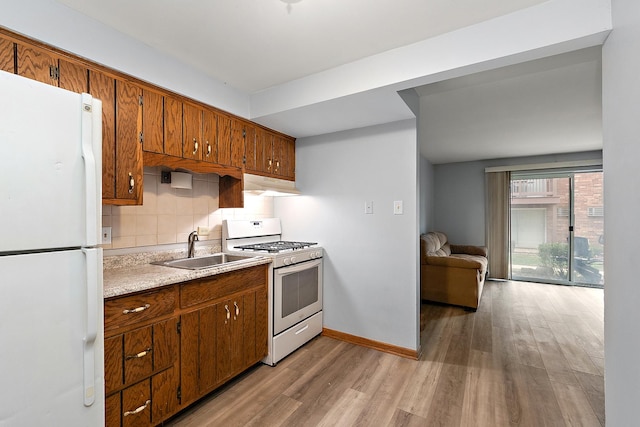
[{"x": 451, "y": 274}]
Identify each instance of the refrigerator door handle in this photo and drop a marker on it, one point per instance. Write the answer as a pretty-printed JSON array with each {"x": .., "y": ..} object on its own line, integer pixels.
[
  {"x": 93, "y": 270},
  {"x": 91, "y": 180}
]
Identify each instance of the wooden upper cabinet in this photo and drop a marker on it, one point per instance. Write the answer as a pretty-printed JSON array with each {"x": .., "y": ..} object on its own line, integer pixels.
[
  {"x": 102, "y": 87},
  {"x": 262, "y": 150},
  {"x": 224, "y": 139},
  {"x": 73, "y": 76},
  {"x": 7, "y": 56},
  {"x": 192, "y": 146},
  {"x": 152, "y": 121},
  {"x": 250, "y": 147},
  {"x": 284, "y": 152},
  {"x": 128, "y": 147},
  {"x": 237, "y": 142},
  {"x": 209, "y": 136},
  {"x": 37, "y": 64},
  {"x": 172, "y": 126}
]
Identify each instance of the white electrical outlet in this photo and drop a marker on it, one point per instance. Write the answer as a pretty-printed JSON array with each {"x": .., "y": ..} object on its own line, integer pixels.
[
  {"x": 203, "y": 231},
  {"x": 368, "y": 207},
  {"x": 106, "y": 235},
  {"x": 397, "y": 207}
]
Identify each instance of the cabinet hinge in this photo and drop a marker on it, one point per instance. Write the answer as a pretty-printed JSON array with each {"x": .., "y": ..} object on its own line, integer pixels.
[
  {"x": 179, "y": 394},
  {"x": 54, "y": 72},
  {"x": 141, "y": 136},
  {"x": 141, "y": 100},
  {"x": 179, "y": 327},
  {"x": 244, "y": 133},
  {"x": 244, "y": 159}
]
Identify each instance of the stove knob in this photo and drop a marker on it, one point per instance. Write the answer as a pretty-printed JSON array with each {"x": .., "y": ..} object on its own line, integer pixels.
[
  {"x": 286, "y": 261},
  {"x": 293, "y": 259},
  {"x": 318, "y": 254},
  {"x": 312, "y": 255}
]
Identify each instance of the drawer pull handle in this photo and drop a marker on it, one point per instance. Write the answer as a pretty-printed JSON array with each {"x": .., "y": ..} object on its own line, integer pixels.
[
  {"x": 302, "y": 330},
  {"x": 237, "y": 308},
  {"x": 138, "y": 410},
  {"x": 136, "y": 310},
  {"x": 226, "y": 307},
  {"x": 138, "y": 355}
]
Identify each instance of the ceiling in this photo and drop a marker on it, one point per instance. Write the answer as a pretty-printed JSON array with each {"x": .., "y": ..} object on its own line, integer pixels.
[
  {"x": 266, "y": 48},
  {"x": 256, "y": 44}
]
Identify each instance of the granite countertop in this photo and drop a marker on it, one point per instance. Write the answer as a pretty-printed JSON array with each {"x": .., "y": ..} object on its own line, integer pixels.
[{"x": 128, "y": 274}]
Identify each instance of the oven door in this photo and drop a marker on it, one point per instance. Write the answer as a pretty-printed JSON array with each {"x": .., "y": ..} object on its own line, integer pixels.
[{"x": 297, "y": 293}]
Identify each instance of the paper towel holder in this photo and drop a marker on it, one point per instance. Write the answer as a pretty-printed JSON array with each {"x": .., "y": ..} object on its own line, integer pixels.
[{"x": 181, "y": 180}]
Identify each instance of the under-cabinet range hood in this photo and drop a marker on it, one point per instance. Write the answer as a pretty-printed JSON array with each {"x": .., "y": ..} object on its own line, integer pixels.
[{"x": 266, "y": 186}]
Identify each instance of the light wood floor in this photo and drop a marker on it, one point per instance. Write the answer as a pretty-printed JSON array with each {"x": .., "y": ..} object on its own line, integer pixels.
[{"x": 532, "y": 355}]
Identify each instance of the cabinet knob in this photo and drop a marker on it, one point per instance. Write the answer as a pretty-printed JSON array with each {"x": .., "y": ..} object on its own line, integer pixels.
[
  {"x": 195, "y": 146},
  {"x": 136, "y": 310},
  {"x": 138, "y": 355},
  {"x": 138, "y": 410},
  {"x": 132, "y": 183}
]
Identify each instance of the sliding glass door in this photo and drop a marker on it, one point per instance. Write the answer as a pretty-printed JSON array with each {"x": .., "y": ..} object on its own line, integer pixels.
[{"x": 557, "y": 228}]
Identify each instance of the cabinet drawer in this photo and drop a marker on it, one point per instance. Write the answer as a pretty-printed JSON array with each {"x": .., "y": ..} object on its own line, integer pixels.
[
  {"x": 136, "y": 405},
  {"x": 222, "y": 285},
  {"x": 132, "y": 309}
]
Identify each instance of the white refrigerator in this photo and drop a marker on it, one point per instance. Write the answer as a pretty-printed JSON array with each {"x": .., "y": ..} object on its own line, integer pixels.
[{"x": 51, "y": 301}]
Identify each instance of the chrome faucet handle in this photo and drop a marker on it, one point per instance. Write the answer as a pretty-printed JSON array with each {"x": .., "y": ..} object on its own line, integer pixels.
[{"x": 193, "y": 237}]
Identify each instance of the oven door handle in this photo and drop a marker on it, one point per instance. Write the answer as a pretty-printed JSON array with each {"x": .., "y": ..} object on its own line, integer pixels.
[{"x": 295, "y": 268}]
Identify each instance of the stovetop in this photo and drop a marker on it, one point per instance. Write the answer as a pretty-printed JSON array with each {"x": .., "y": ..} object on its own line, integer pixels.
[{"x": 275, "y": 247}]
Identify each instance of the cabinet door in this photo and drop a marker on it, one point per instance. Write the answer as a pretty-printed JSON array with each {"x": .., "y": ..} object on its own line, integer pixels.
[
  {"x": 237, "y": 143},
  {"x": 255, "y": 327},
  {"x": 152, "y": 123},
  {"x": 230, "y": 353},
  {"x": 264, "y": 151},
  {"x": 224, "y": 140},
  {"x": 7, "y": 56},
  {"x": 192, "y": 127},
  {"x": 164, "y": 394},
  {"x": 198, "y": 353},
  {"x": 73, "y": 76},
  {"x": 128, "y": 147},
  {"x": 289, "y": 168},
  {"x": 102, "y": 87},
  {"x": 279, "y": 155},
  {"x": 172, "y": 126},
  {"x": 250, "y": 147},
  {"x": 209, "y": 136},
  {"x": 37, "y": 64}
]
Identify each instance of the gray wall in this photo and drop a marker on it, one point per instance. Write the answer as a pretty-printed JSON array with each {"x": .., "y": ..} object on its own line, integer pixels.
[
  {"x": 621, "y": 113},
  {"x": 426, "y": 195},
  {"x": 371, "y": 261},
  {"x": 459, "y": 199}
]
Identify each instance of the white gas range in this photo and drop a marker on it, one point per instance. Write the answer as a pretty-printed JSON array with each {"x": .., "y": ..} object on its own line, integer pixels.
[{"x": 295, "y": 285}]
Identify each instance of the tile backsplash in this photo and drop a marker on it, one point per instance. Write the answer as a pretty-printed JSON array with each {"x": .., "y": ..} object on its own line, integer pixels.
[{"x": 168, "y": 214}]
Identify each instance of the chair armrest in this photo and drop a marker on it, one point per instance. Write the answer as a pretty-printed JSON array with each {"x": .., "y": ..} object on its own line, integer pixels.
[
  {"x": 449, "y": 261},
  {"x": 469, "y": 250}
]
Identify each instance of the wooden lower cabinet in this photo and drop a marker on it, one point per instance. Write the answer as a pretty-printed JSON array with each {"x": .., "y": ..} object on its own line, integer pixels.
[
  {"x": 221, "y": 339},
  {"x": 166, "y": 348}
]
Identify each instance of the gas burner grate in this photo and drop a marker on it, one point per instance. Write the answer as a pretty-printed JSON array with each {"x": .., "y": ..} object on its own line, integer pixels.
[{"x": 275, "y": 247}]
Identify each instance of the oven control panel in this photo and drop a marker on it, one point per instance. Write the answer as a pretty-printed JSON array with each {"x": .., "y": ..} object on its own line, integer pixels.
[{"x": 296, "y": 257}]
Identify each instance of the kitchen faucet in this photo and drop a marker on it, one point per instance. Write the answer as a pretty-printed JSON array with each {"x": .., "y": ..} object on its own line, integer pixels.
[{"x": 193, "y": 237}]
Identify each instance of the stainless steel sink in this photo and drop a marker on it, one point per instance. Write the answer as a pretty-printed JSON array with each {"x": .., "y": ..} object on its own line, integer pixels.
[{"x": 202, "y": 262}]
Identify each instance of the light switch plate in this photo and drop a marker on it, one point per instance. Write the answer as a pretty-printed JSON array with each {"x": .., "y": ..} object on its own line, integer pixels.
[
  {"x": 368, "y": 207},
  {"x": 397, "y": 207}
]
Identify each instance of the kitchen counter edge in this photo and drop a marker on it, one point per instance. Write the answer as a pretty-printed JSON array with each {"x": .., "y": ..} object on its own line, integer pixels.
[{"x": 122, "y": 281}]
